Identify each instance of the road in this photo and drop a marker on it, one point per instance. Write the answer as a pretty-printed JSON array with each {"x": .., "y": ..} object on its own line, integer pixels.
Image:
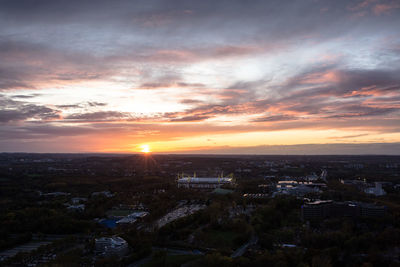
[{"x": 240, "y": 251}]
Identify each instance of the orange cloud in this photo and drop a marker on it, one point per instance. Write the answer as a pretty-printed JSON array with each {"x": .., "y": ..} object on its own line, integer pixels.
[
  {"x": 321, "y": 77},
  {"x": 380, "y": 9}
]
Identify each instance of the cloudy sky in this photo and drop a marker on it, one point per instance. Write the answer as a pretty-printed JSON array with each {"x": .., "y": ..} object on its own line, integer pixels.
[{"x": 281, "y": 77}]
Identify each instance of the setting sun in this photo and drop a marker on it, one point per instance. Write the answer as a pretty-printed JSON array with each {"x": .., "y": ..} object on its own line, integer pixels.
[{"x": 145, "y": 148}]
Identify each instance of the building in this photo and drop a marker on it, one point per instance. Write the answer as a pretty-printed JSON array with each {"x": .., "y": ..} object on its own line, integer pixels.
[
  {"x": 133, "y": 217},
  {"x": 371, "y": 210},
  {"x": 323, "y": 175},
  {"x": 312, "y": 177},
  {"x": 323, "y": 209},
  {"x": 77, "y": 207},
  {"x": 376, "y": 191},
  {"x": 295, "y": 188},
  {"x": 315, "y": 210},
  {"x": 78, "y": 200},
  {"x": 103, "y": 193},
  {"x": 357, "y": 183},
  {"x": 204, "y": 183},
  {"x": 55, "y": 194},
  {"x": 111, "y": 246}
]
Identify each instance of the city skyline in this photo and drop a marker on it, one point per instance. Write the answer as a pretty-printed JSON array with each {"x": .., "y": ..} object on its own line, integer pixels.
[{"x": 230, "y": 77}]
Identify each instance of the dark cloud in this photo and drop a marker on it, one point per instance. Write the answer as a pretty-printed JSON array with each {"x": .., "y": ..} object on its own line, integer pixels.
[
  {"x": 276, "y": 118},
  {"x": 27, "y": 65},
  {"x": 337, "y": 93},
  {"x": 327, "y": 93},
  {"x": 26, "y": 96},
  {"x": 99, "y": 116},
  {"x": 26, "y": 112},
  {"x": 361, "y": 111},
  {"x": 306, "y": 149},
  {"x": 69, "y": 106},
  {"x": 190, "y": 101},
  {"x": 333, "y": 81},
  {"x": 248, "y": 85},
  {"x": 82, "y": 105},
  {"x": 348, "y": 136},
  {"x": 161, "y": 85},
  {"x": 190, "y": 16},
  {"x": 13, "y": 111},
  {"x": 190, "y": 118},
  {"x": 97, "y": 104},
  {"x": 13, "y": 78},
  {"x": 202, "y": 111}
]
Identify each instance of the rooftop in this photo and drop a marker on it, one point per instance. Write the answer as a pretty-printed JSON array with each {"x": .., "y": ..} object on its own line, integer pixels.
[
  {"x": 205, "y": 180},
  {"x": 113, "y": 241},
  {"x": 319, "y": 202}
]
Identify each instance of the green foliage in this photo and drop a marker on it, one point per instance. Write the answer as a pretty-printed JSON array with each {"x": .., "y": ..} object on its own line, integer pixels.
[
  {"x": 8, "y": 241},
  {"x": 213, "y": 260},
  {"x": 108, "y": 262},
  {"x": 221, "y": 239},
  {"x": 161, "y": 258},
  {"x": 276, "y": 222},
  {"x": 71, "y": 258},
  {"x": 49, "y": 221}
]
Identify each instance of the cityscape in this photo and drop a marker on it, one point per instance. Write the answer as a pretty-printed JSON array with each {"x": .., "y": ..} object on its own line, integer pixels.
[
  {"x": 197, "y": 210},
  {"x": 192, "y": 133}
]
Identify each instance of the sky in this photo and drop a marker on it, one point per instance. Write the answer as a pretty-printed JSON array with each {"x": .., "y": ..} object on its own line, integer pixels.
[{"x": 235, "y": 77}]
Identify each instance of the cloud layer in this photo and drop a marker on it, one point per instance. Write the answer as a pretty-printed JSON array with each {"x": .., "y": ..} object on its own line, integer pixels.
[{"x": 112, "y": 76}]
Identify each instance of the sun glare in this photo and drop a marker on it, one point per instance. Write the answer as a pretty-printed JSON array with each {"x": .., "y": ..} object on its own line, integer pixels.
[{"x": 145, "y": 148}]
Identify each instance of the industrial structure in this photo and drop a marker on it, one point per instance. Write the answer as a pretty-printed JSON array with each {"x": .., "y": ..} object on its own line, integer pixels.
[{"x": 204, "y": 182}]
